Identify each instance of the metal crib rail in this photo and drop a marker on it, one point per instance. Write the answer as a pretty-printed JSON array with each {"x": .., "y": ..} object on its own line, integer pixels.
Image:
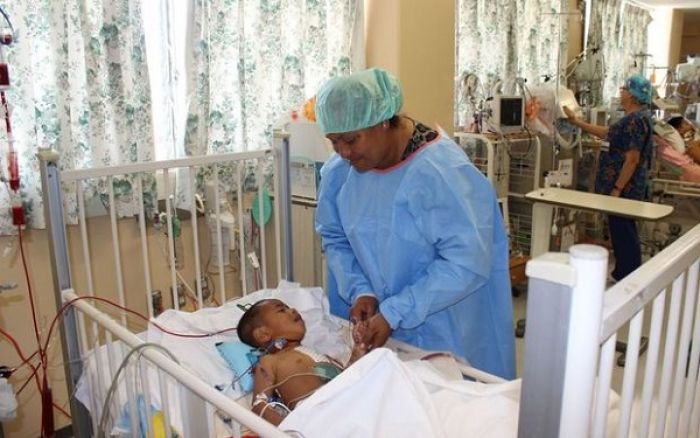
[{"x": 185, "y": 377}]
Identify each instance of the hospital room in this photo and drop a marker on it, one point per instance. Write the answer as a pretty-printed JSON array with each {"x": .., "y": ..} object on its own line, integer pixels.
[{"x": 350, "y": 218}]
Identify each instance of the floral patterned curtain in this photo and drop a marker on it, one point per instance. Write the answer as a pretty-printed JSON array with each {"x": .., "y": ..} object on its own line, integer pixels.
[
  {"x": 484, "y": 34},
  {"x": 79, "y": 84},
  {"x": 635, "y": 21},
  {"x": 253, "y": 61},
  {"x": 540, "y": 28},
  {"x": 619, "y": 30},
  {"x": 505, "y": 39}
]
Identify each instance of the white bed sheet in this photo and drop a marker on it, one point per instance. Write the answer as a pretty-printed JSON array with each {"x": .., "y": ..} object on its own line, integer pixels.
[
  {"x": 382, "y": 396},
  {"x": 199, "y": 355}
]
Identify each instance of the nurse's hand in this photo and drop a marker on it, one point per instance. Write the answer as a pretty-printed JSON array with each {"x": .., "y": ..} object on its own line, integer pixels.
[
  {"x": 378, "y": 331},
  {"x": 364, "y": 308}
]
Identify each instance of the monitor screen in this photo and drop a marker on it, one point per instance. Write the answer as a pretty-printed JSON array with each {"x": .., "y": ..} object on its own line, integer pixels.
[{"x": 510, "y": 113}]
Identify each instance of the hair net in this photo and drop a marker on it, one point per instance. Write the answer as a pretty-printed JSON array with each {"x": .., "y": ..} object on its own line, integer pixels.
[
  {"x": 358, "y": 101},
  {"x": 640, "y": 88}
]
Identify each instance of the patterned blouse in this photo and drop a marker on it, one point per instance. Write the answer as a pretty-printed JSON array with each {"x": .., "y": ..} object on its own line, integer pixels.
[
  {"x": 422, "y": 134},
  {"x": 633, "y": 131}
]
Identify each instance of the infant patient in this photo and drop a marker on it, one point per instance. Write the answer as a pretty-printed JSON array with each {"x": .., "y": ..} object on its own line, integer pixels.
[{"x": 287, "y": 372}]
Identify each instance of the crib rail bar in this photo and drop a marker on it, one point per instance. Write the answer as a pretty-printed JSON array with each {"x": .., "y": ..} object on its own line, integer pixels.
[
  {"x": 285, "y": 193},
  {"x": 183, "y": 376},
  {"x": 557, "y": 379},
  {"x": 545, "y": 359},
  {"x": 676, "y": 187},
  {"x": 635, "y": 291},
  {"x": 152, "y": 166},
  {"x": 60, "y": 268}
]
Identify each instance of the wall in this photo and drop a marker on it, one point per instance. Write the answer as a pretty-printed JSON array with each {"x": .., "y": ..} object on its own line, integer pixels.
[
  {"x": 415, "y": 40},
  {"x": 674, "y": 50},
  {"x": 659, "y": 35},
  {"x": 690, "y": 40}
]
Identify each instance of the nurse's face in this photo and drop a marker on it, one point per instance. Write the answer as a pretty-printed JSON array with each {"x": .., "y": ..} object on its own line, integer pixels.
[
  {"x": 365, "y": 149},
  {"x": 626, "y": 97}
]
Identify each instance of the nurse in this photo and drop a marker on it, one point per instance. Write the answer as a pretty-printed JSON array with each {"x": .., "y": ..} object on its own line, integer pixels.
[{"x": 412, "y": 232}]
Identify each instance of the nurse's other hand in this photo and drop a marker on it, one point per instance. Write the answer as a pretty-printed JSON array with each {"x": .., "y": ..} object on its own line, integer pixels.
[
  {"x": 378, "y": 331},
  {"x": 364, "y": 308}
]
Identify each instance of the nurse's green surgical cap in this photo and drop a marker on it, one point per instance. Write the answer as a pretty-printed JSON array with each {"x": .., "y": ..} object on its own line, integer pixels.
[{"x": 358, "y": 101}]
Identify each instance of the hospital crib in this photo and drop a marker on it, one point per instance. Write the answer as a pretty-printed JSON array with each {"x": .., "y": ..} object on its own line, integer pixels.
[{"x": 75, "y": 267}]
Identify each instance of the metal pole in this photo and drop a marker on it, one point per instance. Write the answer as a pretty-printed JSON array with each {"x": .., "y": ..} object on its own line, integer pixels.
[
  {"x": 285, "y": 197},
  {"x": 60, "y": 267}
]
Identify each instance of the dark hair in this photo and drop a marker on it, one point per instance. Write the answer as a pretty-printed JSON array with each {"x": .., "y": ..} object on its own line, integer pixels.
[
  {"x": 394, "y": 121},
  {"x": 251, "y": 319},
  {"x": 676, "y": 121}
]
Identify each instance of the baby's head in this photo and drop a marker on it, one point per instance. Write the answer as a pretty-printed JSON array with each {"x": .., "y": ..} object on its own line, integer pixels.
[
  {"x": 268, "y": 320},
  {"x": 684, "y": 127}
]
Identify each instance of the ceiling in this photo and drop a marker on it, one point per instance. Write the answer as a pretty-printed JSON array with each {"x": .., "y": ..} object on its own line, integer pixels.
[{"x": 672, "y": 3}]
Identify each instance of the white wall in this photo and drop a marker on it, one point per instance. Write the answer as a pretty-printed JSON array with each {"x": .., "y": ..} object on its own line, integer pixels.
[{"x": 659, "y": 37}]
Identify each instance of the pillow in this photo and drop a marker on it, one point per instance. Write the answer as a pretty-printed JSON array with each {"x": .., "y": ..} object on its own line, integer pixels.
[
  {"x": 669, "y": 133},
  {"x": 240, "y": 358}
]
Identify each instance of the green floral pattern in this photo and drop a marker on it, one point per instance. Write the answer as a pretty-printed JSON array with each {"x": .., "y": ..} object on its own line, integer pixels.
[
  {"x": 254, "y": 61},
  {"x": 619, "y": 29},
  {"x": 79, "y": 84}
]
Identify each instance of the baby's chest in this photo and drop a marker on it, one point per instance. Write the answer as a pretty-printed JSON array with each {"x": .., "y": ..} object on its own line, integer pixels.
[{"x": 293, "y": 363}]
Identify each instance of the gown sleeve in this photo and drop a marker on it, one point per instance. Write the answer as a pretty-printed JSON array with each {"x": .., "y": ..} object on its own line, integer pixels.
[{"x": 348, "y": 274}]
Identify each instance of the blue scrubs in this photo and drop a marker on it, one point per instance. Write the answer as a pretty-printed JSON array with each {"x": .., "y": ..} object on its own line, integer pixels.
[{"x": 426, "y": 238}]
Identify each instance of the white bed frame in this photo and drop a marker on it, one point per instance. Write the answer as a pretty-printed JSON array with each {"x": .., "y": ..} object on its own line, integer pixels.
[
  {"x": 569, "y": 346},
  {"x": 573, "y": 325},
  {"x": 676, "y": 187},
  {"x": 89, "y": 328}
]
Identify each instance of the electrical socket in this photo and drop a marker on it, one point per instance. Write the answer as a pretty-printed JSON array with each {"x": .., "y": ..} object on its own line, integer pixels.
[
  {"x": 157, "y": 301},
  {"x": 206, "y": 289},
  {"x": 181, "y": 300}
]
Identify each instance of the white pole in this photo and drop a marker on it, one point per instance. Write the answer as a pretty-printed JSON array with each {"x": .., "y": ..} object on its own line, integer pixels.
[{"x": 590, "y": 263}]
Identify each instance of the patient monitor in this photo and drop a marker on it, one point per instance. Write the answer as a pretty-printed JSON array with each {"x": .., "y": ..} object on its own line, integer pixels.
[{"x": 509, "y": 113}]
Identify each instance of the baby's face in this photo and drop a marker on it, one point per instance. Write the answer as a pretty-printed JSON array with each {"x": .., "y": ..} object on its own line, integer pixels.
[
  {"x": 283, "y": 321},
  {"x": 686, "y": 129}
]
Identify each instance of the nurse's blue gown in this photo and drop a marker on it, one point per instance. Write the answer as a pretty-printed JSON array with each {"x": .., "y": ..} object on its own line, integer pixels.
[{"x": 427, "y": 239}]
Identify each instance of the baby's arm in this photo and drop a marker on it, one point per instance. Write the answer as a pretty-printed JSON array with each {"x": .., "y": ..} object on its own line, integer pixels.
[{"x": 265, "y": 379}]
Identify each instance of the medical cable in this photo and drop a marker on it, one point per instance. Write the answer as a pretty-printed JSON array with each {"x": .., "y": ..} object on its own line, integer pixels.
[
  {"x": 115, "y": 379},
  {"x": 18, "y": 349},
  {"x": 273, "y": 404},
  {"x": 133, "y": 312},
  {"x": 288, "y": 378},
  {"x": 192, "y": 294},
  {"x": 31, "y": 294},
  {"x": 47, "y": 403},
  {"x": 34, "y": 375}
]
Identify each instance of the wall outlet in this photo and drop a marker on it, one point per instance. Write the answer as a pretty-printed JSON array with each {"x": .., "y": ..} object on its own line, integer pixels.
[
  {"x": 206, "y": 287},
  {"x": 157, "y": 301},
  {"x": 181, "y": 300}
]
